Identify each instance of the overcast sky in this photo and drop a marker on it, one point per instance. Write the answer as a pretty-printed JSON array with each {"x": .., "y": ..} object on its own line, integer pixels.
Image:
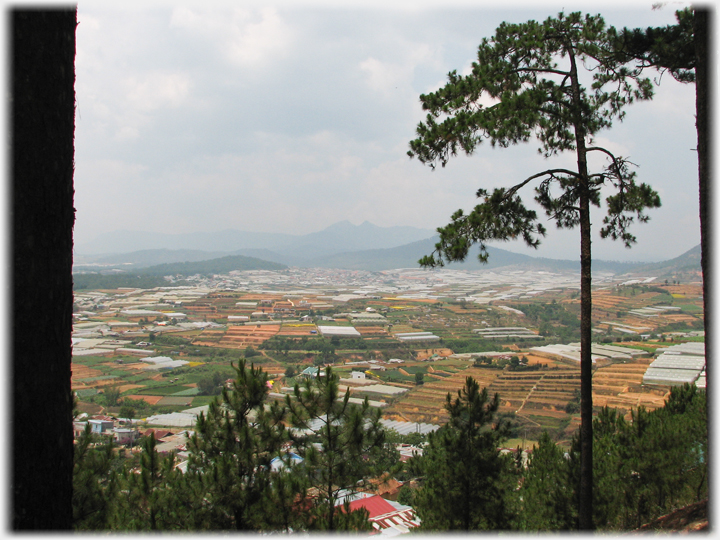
[{"x": 289, "y": 117}]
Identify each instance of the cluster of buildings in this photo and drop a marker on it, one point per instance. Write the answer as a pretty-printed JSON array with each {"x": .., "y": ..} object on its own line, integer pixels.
[{"x": 678, "y": 364}]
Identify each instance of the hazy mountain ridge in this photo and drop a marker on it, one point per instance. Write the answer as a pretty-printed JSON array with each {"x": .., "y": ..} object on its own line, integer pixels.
[
  {"x": 342, "y": 245},
  {"x": 339, "y": 237},
  {"x": 408, "y": 256}
]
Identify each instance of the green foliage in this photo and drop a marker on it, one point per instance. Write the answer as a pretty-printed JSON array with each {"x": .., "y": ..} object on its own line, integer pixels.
[
  {"x": 83, "y": 282},
  {"x": 466, "y": 479},
  {"x": 148, "y": 501},
  {"x": 211, "y": 385},
  {"x": 657, "y": 461},
  {"x": 419, "y": 378},
  {"x": 546, "y": 492},
  {"x": 406, "y": 496},
  {"x": 250, "y": 352},
  {"x": 342, "y": 445},
  {"x": 643, "y": 468},
  {"x": 231, "y": 452},
  {"x": 468, "y": 345},
  {"x": 670, "y": 48},
  {"x": 94, "y": 486},
  {"x": 534, "y": 96},
  {"x": 222, "y": 265},
  {"x": 127, "y": 411},
  {"x": 111, "y": 395},
  {"x": 162, "y": 339}
]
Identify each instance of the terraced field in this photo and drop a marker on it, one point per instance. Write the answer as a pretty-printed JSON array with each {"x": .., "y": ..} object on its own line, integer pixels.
[
  {"x": 240, "y": 337},
  {"x": 620, "y": 386},
  {"x": 426, "y": 403},
  {"x": 537, "y": 397}
]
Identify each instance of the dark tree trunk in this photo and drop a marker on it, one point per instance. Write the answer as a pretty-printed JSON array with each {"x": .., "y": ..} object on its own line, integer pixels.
[
  {"x": 42, "y": 147},
  {"x": 585, "y": 491},
  {"x": 703, "y": 111},
  {"x": 586, "y": 401}
]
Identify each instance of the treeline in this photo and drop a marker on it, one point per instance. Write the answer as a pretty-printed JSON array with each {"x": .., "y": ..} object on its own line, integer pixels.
[
  {"x": 222, "y": 265},
  {"x": 553, "y": 319},
  {"x": 153, "y": 276},
  {"x": 644, "y": 467},
  {"x": 115, "y": 281}
]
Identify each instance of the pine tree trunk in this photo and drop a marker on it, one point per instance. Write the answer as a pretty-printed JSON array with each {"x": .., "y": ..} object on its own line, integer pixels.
[
  {"x": 42, "y": 130},
  {"x": 701, "y": 26},
  {"x": 586, "y": 403},
  {"x": 585, "y": 502}
]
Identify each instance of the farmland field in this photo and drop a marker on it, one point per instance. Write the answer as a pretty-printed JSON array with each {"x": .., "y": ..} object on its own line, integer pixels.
[{"x": 543, "y": 395}]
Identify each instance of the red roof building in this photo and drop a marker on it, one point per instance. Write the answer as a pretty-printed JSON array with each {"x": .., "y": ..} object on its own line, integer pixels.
[{"x": 385, "y": 517}]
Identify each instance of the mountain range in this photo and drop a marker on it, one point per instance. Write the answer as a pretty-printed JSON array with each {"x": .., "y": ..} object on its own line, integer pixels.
[
  {"x": 342, "y": 245},
  {"x": 340, "y": 237}
]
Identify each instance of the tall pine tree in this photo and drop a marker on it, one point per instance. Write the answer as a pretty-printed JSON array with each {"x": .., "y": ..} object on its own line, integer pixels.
[
  {"x": 231, "y": 452},
  {"x": 532, "y": 74},
  {"x": 465, "y": 484},
  {"x": 339, "y": 442}
]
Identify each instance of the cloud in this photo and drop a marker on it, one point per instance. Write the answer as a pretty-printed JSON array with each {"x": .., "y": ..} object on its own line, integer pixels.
[
  {"x": 394, "y": 73},
  {"x": 246, "y": 38},
  {"x": 157, "y": 90},
  {"x": 291, "y": 119}
]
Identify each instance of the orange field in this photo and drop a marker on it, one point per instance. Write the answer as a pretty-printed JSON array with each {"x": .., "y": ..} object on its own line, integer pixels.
[
  {"x": 371, "y": 330},
  {"x": 239, "y": 337},
  {"x": 423, "y": 354},
  {"x": 152, "y": 400},
  {"x": 533, "y": 393},
  {"x": 83, "y": 372},
  {"x": 296, "y": 331}
]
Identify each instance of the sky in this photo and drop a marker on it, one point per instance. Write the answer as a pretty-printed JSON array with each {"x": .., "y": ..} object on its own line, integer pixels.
[{"x": 292, "y": 116}]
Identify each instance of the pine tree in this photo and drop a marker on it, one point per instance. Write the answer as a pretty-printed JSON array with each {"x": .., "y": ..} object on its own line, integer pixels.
[
  {"x": 339, "y": 442},
  {"x": 533, "y": 95},
  {"x": 465, "y": 484},
  {"x": 547, "y": 502},
  {"x": 231, "y": 452},
  {"x": 683, "y": 50},
  {"x": 94, "y": 483},
  {"x": 148, "y": 497}
]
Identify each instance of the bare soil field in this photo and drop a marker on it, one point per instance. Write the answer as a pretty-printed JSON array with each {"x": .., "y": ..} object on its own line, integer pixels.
[
  {"x": 534, "y": 360},
  {"x": 239, "y": 337},
  {"x": 424, "y": 354},
  {"x": 83, "y": 372},
  {"x": 152, "y": 400},
  {"x": 537, "y": 394},
  {"x": 371, "y": 330},
  {"x": 126, "y": 387},
  {"x": 296, "y": 331}
]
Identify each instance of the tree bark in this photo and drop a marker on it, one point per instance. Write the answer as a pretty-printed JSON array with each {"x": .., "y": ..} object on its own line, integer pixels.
[
  {"x": 703, "y": 111},
  {"x": 585, "y": 496},
  {"x": 42, "y": 120},
  {"x": 586, "y": 401}
]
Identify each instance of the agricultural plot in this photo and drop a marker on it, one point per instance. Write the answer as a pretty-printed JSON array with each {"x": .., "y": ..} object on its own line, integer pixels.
[
  {"x": 424, "y": 354},
  {"x": 367, "y": 331},
  {"x": 175, "y": 401},
  {"x": 514, "y": 389},
  {"x": 426, "y": 402},
  {"x": 240, "y": 337},
  {"x": 620, "y": 386},
  {"x": 150, "y": 400},
  {"x": 552, "y": 392},
  {"x": 296, "y": 330}
]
